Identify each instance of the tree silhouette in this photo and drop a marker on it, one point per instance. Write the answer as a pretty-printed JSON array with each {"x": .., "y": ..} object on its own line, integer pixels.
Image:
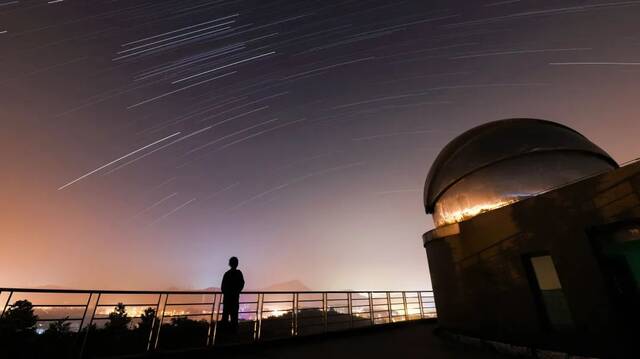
[
  {"x": 118, "y": 319},
  {"x": 146, "y": 319},
  {"x": 183, "y": 332},
  {"x": 19, "y": 317},
  {"x": 60, "y": 327}
]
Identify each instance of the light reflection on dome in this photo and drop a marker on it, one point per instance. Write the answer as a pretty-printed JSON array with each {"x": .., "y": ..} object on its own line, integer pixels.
[{"x": 449, "y": 217}]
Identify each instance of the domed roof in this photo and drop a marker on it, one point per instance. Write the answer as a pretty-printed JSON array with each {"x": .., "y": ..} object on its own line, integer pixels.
[{"x": 499, "y": 141}]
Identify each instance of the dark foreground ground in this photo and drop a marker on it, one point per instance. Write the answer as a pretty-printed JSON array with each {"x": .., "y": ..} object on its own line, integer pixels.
[{"x": 404, "y": 340}]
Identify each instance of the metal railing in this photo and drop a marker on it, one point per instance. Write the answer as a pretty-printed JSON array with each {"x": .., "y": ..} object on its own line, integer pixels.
[{"x": 263, "y": 315}]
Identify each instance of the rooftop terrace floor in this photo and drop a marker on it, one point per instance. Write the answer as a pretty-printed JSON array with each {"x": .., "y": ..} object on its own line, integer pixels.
[{"x": 414, "y": 339}]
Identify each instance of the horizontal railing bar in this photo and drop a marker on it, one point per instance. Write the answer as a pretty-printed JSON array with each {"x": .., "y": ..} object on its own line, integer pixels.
[
  {"x": 276, "y": 310},
  {"x": 127, "y": 305},
  {"x": 177, "y": 304},
  {"x": 55, "y": 305},
  {"x": 276, "y": 301},
  {"x": 184, "y": 315},
  {"x": 109, "y": 291}
]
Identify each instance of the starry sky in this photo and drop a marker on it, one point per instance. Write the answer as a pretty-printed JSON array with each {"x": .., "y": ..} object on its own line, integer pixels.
[{"x": 145, "y": 142}]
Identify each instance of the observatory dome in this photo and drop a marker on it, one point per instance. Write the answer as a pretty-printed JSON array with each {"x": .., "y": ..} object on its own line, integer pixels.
[{"x": 504, "y": 161}]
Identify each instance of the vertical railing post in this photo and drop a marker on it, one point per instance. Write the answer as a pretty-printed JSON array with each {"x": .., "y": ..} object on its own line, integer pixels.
[
  {"x": 293, "y": 319},
  {"x": 217, "y": 316},
  {"x": 160, "y": 321},
  {"x": 84, "y": 315},
  {"x": 255, "y": 322},
  {"x": 261, "y": 307},
  {"x": 6, "y": 304},
  {"x": 421, "y": 304},
  {"x": 371, "y": 311},
  {"x": 295, "y": 313},
  {"x": 325, "y": 309},
  {"x": 406, "y": 308},
  {"x": 153, "y": 323},
  {"x": 389, "y": 307},
  {"x": 211, "y": 325},
  {"x": 86, "y": 335},
  {"x": 350, "y": 308}
]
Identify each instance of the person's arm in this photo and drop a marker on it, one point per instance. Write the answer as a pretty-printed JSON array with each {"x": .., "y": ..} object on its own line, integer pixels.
[
  {"x": 241, "y": 282},
  {"x": 224, "y": 284}
]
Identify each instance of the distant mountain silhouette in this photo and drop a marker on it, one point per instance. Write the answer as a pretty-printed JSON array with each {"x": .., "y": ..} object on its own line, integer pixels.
[{"x": 292, "y": 286}]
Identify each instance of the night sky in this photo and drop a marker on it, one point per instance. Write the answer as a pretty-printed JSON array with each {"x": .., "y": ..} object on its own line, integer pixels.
[{"x": 145, "y": 142}]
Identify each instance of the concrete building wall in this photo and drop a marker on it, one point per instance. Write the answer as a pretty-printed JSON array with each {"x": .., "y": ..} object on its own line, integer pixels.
[{"x": 484, "y": 284}]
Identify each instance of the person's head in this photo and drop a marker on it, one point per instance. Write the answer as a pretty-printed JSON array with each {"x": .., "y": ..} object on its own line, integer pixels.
[{"x": 233, "y": 262}]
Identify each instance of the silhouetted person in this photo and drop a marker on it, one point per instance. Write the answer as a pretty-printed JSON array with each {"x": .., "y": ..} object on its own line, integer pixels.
[{"x": 232, "y": 284}]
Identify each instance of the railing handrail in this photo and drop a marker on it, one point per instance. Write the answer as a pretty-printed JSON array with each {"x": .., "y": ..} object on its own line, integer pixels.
[
  {"x": 399, "y": 305},
  {"x": 115, "y": 291}
]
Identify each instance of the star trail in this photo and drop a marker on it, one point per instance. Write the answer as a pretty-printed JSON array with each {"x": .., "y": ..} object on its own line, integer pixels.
[{"x": 151, "y": 140}]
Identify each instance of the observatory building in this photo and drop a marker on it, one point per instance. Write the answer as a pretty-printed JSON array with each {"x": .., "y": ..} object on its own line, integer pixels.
[{"x": 536, "y": 240}]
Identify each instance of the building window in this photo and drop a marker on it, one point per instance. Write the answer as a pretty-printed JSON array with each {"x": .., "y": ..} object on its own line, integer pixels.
[{"x": 551, "y": 296}]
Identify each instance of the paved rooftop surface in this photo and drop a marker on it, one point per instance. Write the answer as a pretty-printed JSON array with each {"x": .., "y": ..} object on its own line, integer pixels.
[{"x": 406, "y": 340}]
